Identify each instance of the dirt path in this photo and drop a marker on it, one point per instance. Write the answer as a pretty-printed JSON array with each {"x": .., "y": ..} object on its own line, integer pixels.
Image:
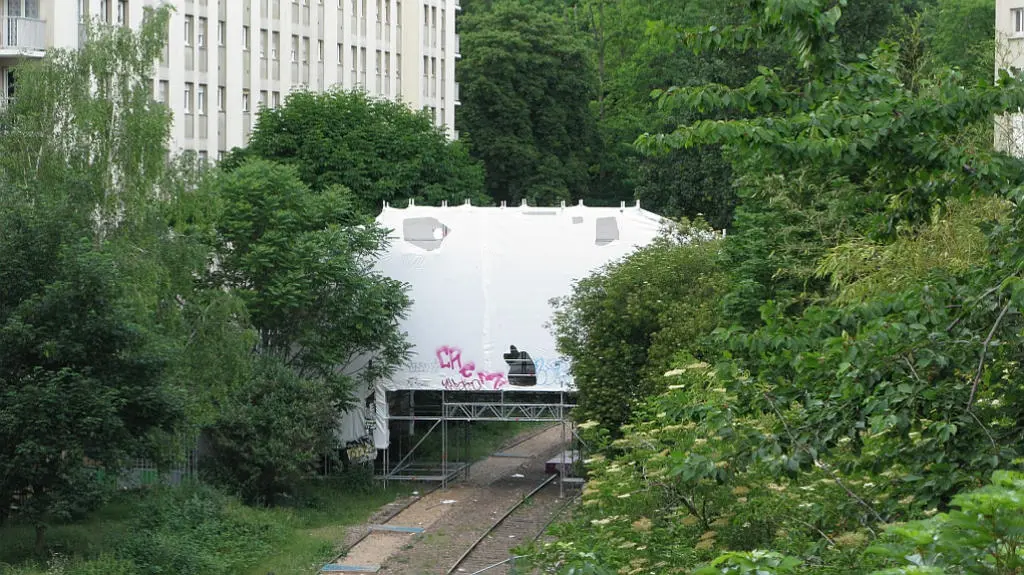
[{"x": 453, "y": 518}]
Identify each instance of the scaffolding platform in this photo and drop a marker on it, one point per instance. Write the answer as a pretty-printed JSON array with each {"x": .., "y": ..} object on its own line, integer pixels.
[
  {"x": 562, "y": 463},
  {"x": 426, "y": 472},
  {"x": 442, "y": 410}
]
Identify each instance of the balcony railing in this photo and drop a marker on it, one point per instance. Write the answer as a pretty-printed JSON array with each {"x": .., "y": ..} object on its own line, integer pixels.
[{"x": 23, "y": 34}]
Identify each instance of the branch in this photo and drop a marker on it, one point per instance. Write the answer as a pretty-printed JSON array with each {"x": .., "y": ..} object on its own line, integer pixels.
[
  {"x": 985, "y": 429},
  {"x": 820, "y": 532},
  {"x": 820, "y": 464},
  {"x": 987, "y": 293},
  {"x": 984, "y": 352}
]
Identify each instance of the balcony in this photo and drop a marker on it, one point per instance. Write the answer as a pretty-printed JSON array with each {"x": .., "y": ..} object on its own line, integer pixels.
[{"x": 23, "y": 35}]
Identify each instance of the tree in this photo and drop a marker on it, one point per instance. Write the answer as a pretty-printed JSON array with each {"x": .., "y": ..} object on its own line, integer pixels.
[
  {"x": 867, "y": 355},
  {"x": 78, "y": 378},
  {"x": 963, "y": 35},
  {"x": 377, "y": 148},
  {"x": 526, "y": 82},
  {"x": 82, "y": 358},
  {"x": 623, "y": 325},
  {"x": 302, "y": 262}
]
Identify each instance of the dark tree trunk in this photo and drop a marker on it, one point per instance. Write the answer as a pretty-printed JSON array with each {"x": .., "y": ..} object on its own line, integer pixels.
[{"x": 40, "y": 538}]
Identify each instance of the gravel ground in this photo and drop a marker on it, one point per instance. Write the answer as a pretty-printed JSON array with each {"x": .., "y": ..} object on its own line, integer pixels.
[{"x": 453, "y": 518}]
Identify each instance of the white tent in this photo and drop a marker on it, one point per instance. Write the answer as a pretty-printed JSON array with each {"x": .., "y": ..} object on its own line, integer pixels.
[{"x": 481, "y": 280}]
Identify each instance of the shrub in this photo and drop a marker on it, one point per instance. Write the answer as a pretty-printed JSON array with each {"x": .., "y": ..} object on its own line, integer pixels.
[
  {"x": 271, "y": 434},
  {"x": 623, "y": 325},
  {"x": 195, "y": 530}
]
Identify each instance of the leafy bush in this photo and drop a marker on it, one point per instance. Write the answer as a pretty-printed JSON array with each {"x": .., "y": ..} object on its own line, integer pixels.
[
  {"x": 984, "y": 536},
  {"x": 105, "y": 565},
  {"x": 196, "y": 530},
  {"x": 623, "y": 324},
  {"x": 271, "y": 433}
]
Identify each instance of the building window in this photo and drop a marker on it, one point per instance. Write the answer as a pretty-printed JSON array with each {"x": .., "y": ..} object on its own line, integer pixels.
[
  {"x": 276, "y": 102},
  {"x": 320, "y": 50},
  {"x": 275, "y": 45},
  {"x": 245, "y": 38},
  {"x": 201, "y": 100},
  {"x": 295, "y": 48},
  {"x": 220, "y": 98},
  {"x": 264, "y": 100},
  {"x": 1018, "y": 21},
  {"x": 165, "y": 90},
  {"x": 263, "y": 43},
  {"x": 188, "y": 30},
  {"x": 104, "y": 10},
  {"x": 305, "y": 50},
  {"x": 221, "y": 33},
  {"x": 188, "y": 97},
  {"x": 122, "y": 12},
  {"x": 245, "y": 100},
  {"x": 201, "y": 37},
  {"x": 203, "y": 156}
]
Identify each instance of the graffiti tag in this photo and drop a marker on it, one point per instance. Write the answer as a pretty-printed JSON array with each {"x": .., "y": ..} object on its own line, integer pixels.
[
  {"x": 470, "y": 379},
  {"x": 360, "y": 451}
]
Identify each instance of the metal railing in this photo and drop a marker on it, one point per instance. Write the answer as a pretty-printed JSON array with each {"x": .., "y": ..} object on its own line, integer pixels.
[{"x": 23, "y": 33}]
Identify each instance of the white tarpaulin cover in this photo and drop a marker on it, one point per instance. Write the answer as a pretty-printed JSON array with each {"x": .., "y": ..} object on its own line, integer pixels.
[{"x": 481, "y": 280}]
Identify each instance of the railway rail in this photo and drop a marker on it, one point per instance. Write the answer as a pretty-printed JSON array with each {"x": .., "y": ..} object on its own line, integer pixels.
[
  {"x": 522, "y": 523},
  {"x": 395, "y": 512}
]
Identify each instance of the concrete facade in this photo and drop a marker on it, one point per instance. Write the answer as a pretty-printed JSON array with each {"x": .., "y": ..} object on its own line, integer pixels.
[
  {"x": 225, "y": 59},
  {"x": 1009, "y": 129}
]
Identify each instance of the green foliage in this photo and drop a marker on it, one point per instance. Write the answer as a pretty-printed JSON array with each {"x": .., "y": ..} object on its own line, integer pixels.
[
  {"x": 963, "y": 35},
  {"x": 526, "y": 82},
  {"x": 378, "y": 149},
  {"x": 196, "y": 530},
  {"x": 757, "y": 562},
  {"x": 984, "y": 535},
  {"x": 623, "y": 324},
  {"x": 80, "y": 379},
  {"x": 867, "y": 357},
  {"x": 303, "y": 264},
  {"x": 953, "y": 243},
  {"x": 271, "y": 432},
  {"x": 84, "y": 340}
]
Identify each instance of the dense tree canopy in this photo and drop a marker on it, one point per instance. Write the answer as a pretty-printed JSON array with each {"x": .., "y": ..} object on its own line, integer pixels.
[
  {"x": 85, "y": 337},
  {"x": 867, "y": 344},
  {"x": 378, "y": 149},
  {"x": 526, "y": 84}
]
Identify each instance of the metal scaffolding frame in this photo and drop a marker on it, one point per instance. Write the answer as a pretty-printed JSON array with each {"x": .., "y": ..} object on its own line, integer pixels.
[{"x": 492, "y": 406}]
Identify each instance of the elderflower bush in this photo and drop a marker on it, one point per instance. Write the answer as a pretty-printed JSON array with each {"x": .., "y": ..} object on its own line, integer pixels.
[{"x": 692, "y": 477}]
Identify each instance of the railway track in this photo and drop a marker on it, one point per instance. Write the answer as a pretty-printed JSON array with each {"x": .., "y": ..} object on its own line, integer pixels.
[
  {"x": 523, "y": 523},
  {"x": 399, "y": 509}
]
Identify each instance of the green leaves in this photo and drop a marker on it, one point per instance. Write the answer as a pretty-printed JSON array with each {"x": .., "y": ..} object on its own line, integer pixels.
[
  {"x": 527, "y": 80},
  {"x": 302, "y": 263},
  {"x": 753, "y": 562},
  {"x": 378, "y": 149},
  {"x": 984, "y": 535},
  {"x": 623, "y": 325}
]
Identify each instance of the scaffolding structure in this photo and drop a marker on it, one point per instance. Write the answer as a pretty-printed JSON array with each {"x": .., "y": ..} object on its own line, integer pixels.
[{"x": 471, "y": 407}]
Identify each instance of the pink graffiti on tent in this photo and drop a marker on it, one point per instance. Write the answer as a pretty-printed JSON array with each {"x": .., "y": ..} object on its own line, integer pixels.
[
  {"x": 495, "y": 378},
  {"x": 449, "y": 357}
]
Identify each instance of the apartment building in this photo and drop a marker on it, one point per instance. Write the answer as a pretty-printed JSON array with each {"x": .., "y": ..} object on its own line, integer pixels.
[
  {"x": 1009, "y": 129},
  {"x": 225, "y": 59}
]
